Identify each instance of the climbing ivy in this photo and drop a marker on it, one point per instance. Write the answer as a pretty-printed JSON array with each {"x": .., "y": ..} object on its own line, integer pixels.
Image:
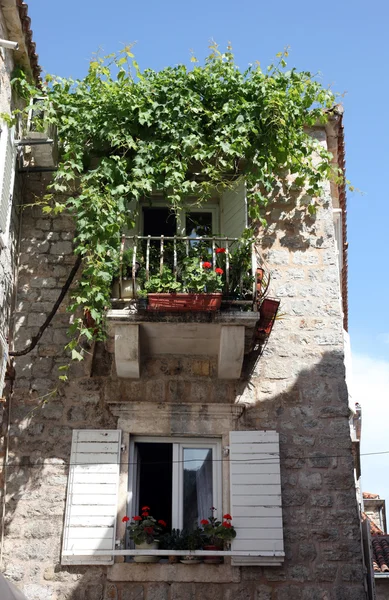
[{"x": 125, "y": 134}]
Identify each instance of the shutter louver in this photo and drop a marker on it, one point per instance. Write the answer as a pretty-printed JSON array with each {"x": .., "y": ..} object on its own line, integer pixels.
[
  {"x": 7, "y": 174},
  {"x": 3, "y": 362},
  {"x": 92, "y": 497},
  {"x": 234, "y": 211},
  {"x": 255, "y": 488}
]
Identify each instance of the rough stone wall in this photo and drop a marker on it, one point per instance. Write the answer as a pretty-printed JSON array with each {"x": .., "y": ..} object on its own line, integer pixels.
[{"x": 297, "y": 387}]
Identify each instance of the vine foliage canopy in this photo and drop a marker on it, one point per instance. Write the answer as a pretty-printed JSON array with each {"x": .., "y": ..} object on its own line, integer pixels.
[{"x": 126, "y": 134}]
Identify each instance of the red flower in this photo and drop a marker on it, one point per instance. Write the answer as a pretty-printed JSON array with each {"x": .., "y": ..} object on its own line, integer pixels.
[
  {"x": 219, "y": 271},
  {"x": 226, "y": 524},
  {"x": 145, "y": 507},
  {"x": 137, "y": 518},
  {"x": 149, "y": 530},
  {"x": 220, "y": 250},
  {"x": 145, "y": 514},
  {"x": 204, "y": 522},
  {"x": 125, "y": 519},
  {"x": 207, "y": 265},
  {"x": 227, "y": 516},
  {"x": 161, "y": 522}
]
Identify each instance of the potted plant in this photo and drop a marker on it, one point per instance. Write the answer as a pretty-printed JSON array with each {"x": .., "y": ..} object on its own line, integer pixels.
[
  {"x": 145, "y": 530},
  {"x": 192, "y": 540},
  {"x": 173, "y": 540},
  {"x": 200, "y": 289},
  {"x": 124, "y": 285},
  {"x": 216, "y": 533}
]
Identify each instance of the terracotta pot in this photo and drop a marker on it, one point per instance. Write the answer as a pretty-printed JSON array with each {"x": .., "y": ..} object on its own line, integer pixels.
[
  {"x": 184, "y": 302},
  {"x": 173, "y": 559},
  {"x": 212, "y": 560},
  {"x": 146, "y": 546}
]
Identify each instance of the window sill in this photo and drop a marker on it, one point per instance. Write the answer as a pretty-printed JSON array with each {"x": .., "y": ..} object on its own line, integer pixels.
[{"x": 174, "y": 573}]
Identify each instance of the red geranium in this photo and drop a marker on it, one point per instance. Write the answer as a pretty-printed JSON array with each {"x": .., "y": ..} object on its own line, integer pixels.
[
  {"x": 219, "y": 271},
  {"x": 145, "y": 514},
  {"x": 220, "y": 250},
  {"x": 207, "y": 265},
  {"x": 227, "y": 516},
  {"x": 204, "y": 522},
  {"x": 145, "y": 507},
  {"x": 137, "y": 518},
  {"x": 226, "y": 524},
  {"x": 149, "y": 530},
  {"x": 162, "y": 522},
  {"x": 125, "y": 519}
]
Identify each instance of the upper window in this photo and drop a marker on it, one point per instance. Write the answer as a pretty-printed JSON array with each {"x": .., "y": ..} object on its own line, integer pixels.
[{"x": 179, "y": 478}]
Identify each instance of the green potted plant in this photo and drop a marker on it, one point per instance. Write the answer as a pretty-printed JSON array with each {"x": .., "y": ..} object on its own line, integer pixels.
[
  {"x": 174, "y": 540},
  {"x": 197, "y": 287},
  {"x": 216, "y": 533},
  {"x": 145, "y": 530},
  {"x": 124, "y": 285},
  {"x": 192, "y": 540}
]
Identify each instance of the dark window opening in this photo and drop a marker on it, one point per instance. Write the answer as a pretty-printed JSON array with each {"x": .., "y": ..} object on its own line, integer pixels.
[
  {"x": 159, "y": 221},
  {"x": 155, "y": 465}
]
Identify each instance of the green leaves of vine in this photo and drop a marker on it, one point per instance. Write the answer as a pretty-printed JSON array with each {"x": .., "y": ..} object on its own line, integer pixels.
[{"x": 126, "y": 134}]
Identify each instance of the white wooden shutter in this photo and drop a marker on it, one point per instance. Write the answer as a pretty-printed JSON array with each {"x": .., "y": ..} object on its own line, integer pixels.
[
  {"x": 7, "y": 175},
  {"x": 92, "y": 498},
  {"x": 234, "y": 210},
  {"x": 3, "y": 362},
  {"x": 255, "y": 488}
]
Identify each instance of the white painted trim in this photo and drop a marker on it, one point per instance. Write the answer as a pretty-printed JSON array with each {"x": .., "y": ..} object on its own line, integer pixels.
[
  {"x": 177, "y": 492},
  {"x": 3, "y": 362},
  {"x": 7, "y": 155},
  {"x": 132, "y": 552}
]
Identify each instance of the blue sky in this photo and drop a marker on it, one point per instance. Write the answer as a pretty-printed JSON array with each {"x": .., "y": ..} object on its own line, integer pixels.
[{"x": 347, "y": 43}]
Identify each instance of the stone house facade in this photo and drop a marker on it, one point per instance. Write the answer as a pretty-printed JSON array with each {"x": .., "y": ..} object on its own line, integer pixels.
[{"x": 275, "y": 421}]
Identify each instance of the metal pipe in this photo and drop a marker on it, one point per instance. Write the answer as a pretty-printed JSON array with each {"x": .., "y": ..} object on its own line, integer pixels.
[{"x": 9, "y": 44}]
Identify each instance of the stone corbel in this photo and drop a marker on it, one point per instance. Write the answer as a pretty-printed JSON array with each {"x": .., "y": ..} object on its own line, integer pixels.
[{"x": 127, "y": 351}]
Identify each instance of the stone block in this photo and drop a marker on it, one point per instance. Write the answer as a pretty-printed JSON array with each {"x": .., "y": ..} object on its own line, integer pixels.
[
  {"x": 34, "y": 591},
  {"x": 131, "y": 591},
  {"x": 157, "y": 591},
  {"x": 209, "y": 592},
  {"x": 263, "y": 592},
  {"x": 239, "y": 592},
  {"x": 61, "y": 248},
  {"x": 182, "y": 591}
]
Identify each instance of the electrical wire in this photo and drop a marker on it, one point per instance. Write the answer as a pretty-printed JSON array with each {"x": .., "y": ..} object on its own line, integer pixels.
[{"x": 261, "y": 461}]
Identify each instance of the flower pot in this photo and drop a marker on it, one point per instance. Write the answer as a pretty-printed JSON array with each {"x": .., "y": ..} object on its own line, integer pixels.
[
  {"x": 191, "y": 560},
  {"x": 173, "y": 559},
  {"x": 212, "y": 560},
  {"x": 184, "y": 302},
  {"x": 129, "y": 288},
  {"x": 146, "y": 559}
]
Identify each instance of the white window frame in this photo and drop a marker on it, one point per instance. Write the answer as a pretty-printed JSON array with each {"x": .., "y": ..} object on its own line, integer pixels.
[
  {"x": 179, "y": 443},
  {"x": 6, "y": 188},
  {"x": 212, "y": 208},
  {"x": 207, "y": 208}
]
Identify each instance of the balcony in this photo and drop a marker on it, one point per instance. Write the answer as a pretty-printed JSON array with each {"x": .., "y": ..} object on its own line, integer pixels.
[{"x": 183, "y": 295}]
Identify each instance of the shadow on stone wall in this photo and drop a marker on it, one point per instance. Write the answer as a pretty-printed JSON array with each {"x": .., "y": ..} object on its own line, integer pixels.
[{"x": 321, "y": 526}]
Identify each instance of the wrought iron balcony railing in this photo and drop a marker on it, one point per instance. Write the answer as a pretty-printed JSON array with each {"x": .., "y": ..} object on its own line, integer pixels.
[{"x": 142, "y": 257}]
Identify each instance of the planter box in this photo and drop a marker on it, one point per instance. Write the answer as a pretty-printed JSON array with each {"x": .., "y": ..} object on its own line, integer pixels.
[{"x": 184, "y": 302}]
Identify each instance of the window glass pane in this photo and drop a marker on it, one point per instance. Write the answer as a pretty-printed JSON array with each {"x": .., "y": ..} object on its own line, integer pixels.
[
  {"x": 198, "y": 488},
  {"x": 198, "y": 223}
]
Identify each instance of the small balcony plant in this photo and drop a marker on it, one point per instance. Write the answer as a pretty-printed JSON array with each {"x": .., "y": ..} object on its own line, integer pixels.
[
  {"x": 216, "y": 533},
  {"x": 196, "y": 287},
  {"x": 145, "y": 531}
]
